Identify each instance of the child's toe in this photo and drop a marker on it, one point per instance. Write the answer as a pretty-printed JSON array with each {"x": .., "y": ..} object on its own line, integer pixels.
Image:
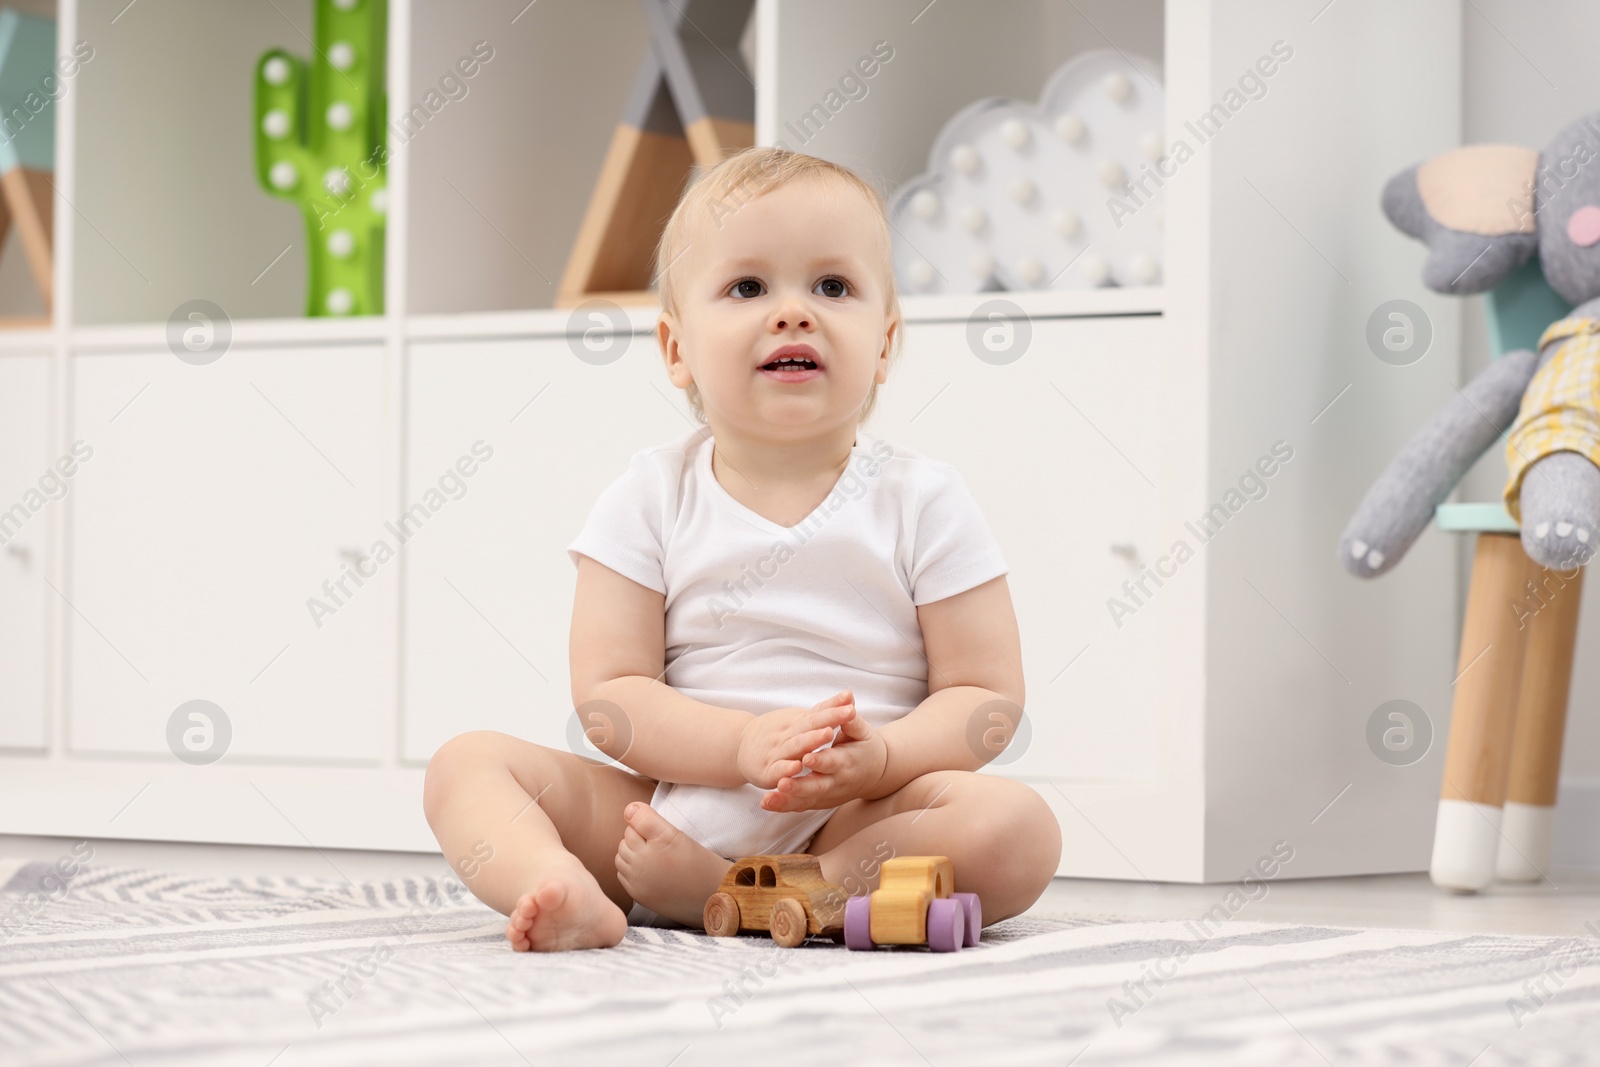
[
  {"x": 518, "y": 925},
  {"x": 649, "y": 824}
]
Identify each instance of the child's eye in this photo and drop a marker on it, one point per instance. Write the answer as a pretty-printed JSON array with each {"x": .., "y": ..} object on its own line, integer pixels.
[
  {"x": 739, "y": 290},
  {"x": 843, "y": 286}
]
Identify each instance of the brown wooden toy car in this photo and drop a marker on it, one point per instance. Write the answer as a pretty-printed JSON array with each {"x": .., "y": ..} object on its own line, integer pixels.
[{"x": 783, "y": 895}]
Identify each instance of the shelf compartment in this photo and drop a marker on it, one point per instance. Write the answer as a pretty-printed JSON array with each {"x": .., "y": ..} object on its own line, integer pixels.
[{"x": 166, "y": 203}]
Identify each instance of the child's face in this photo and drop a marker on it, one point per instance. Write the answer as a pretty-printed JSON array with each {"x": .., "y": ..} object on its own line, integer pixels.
[{"x": 798, "y": 265}]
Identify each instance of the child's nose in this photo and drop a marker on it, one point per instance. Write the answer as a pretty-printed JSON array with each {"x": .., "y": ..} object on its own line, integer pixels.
[{"x": 792, "y": 310}]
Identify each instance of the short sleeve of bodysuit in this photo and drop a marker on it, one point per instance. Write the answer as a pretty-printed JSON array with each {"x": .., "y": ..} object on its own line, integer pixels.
[
  {"x": 954, "y": 549},
  {"x": 624, "y": 528}
]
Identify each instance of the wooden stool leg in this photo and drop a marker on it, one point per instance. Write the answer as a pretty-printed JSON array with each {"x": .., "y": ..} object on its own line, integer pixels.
[
  {"x": 1466, "y": 838},
  {"x": 1550, "y": 616},
  {"x": 30, "y": 199}
]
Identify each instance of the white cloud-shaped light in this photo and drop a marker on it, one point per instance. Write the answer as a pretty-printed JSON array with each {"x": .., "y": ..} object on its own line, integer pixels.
[{"x": 1017, "y": 195}]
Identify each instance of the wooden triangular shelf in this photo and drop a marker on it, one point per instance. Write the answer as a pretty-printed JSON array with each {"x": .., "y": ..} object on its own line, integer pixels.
[{"x": 693, "y": 103}]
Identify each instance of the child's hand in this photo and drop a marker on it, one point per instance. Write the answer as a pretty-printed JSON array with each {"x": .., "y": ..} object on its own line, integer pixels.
[
  {"x": 772, "y": 744},
  {"x": 844, "y": 772}
]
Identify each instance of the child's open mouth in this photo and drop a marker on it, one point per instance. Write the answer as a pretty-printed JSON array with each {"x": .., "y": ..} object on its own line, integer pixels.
[
  {"x": 791, "y": 370},
  {"x": 793, "y": 363}
]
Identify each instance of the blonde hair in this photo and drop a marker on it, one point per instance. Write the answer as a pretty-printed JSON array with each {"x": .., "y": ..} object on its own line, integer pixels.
[{"x": 742, "y": 177}]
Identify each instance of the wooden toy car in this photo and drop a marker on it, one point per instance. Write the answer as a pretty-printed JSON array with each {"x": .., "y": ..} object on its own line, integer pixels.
[
  {"x": 915, "y": 904},
  {"x": 784, "y": 895}
]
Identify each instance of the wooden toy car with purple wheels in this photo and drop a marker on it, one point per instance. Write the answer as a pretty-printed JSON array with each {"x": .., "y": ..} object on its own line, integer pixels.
[
  {"x": 915, "y": 904},
  {"x": 785, "y": 896}
]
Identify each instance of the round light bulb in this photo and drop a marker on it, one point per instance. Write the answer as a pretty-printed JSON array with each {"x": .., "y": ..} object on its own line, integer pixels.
[
  {"x": 965, "y": 158},
  {"x": 275, "y": 124},
  {"x": 336, "y": 180},
  {"x": 1016, "y": 134}
]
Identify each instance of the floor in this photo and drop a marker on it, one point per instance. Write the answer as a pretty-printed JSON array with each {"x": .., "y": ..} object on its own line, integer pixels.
[{"x": 1567, "y": 905}]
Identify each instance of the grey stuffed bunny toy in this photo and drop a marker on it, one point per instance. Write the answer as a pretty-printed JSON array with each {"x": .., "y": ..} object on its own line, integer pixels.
[{"x": 1483, "y": 210}]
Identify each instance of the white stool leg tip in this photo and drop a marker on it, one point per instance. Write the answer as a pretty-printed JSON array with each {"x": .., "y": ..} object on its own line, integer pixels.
[
  {"x": 1526, "y": 832},
  {"x": 1466, "y": 845}
]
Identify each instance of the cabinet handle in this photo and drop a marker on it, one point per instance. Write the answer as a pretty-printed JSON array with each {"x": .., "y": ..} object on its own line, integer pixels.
[
  {"x": 1127, "y": 550},
  {"x": 20, "y": 553},
  {"x": 354, "y": 555}
]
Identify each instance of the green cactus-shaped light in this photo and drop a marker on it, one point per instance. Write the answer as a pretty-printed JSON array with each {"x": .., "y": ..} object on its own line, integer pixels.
[{"x": 320, "y": 142}]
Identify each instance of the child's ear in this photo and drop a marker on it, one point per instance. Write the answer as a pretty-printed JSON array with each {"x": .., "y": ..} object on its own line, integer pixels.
[
  {"x": 888, "y": 346},
  {"x": 667, "y": 341},
  {"x": 1473, "y": 208}
]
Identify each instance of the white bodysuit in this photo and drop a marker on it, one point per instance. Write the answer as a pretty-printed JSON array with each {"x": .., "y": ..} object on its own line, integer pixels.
[{"x": 761, "y": 616}]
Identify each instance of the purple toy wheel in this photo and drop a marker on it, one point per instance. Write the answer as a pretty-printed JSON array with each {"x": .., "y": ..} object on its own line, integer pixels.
[
  {"x": 947, "y": 925},
  {"x": 974, "y": 913},
  {"x": 858, "y": 923}
]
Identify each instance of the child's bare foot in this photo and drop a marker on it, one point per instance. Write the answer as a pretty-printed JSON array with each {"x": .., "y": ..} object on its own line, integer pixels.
[
  {"x": 565, "y": 909},
  {"x": 664, "y": 868}
]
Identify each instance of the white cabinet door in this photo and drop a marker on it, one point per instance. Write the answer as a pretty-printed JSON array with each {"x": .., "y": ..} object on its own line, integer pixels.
[
  {"x": 488, "y": 600},
  {"x": 30, "y": 490},
  {"x": 219, "y": 501},
  {"x": 1055, "y": 434}
]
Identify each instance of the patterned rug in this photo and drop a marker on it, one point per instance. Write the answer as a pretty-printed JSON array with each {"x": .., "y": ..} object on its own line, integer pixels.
[{"x": 124, "y": 966}]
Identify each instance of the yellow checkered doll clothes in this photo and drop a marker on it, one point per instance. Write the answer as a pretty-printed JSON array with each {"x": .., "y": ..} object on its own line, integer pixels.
[{"x": 1561, "y": 407}]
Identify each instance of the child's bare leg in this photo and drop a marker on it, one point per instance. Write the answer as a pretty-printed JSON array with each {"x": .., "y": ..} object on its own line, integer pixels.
[
  {"x": 1000, "y": 835},
  {"x": 533, "y": 832}
]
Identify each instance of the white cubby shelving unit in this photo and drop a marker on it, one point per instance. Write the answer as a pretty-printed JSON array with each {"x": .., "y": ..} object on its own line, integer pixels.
[{"x": 1178, "y": 746}]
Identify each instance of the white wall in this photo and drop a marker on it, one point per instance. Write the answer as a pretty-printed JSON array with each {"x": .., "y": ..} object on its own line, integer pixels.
[{"x": 1299, "y": 654}]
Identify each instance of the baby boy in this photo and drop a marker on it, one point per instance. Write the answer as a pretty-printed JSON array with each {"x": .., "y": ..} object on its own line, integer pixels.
[{"x": 793, "y": 635}]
